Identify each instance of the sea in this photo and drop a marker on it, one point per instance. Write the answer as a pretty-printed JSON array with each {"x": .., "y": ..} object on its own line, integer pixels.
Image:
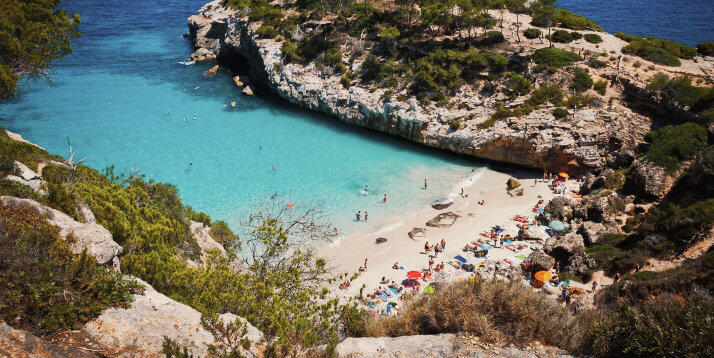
[{"x": 128, "y": 97}]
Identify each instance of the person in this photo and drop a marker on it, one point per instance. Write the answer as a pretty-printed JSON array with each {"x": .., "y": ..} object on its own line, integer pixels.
[
  {"x": 384, "y": 200},
  {"x": 544, "y": 175},
  {"x": 384, "y": 280},
  {"x": 535, "y": 182},
  {"x": 617, "y": 276},
  {"x": 389, "y": 308},
  {"x": 366, "y": 188},
  {"x": 359, "y": 215},
  {"x": 426, "y": 247},
  {"x": 190, "y": 164},
  {"x": 443, "y": 244},
  {"x": 335, "y": 231},
  {"x": 431, "y": 262},
  {"x": 365, "y": 264},
  {"x": 557, "y": 267},
  {"x": 425, "y": 184},
  {"x": 396, "y": 265},
  {"x": 194, "y": 117},
  {"x": 366, "y": 215},
  {"x": 272, "y": 167},
  {"x": 250, "y": 217},
  {"x": 462, "y": 191},
  {"x": 594, "y": 286}
]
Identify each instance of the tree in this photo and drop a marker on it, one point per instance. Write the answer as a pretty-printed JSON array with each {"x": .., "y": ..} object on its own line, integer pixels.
[
  {"x": 32, "y": 34},
  {"x": 545, "y": 9},
  {"x": 517, "y": 7}
]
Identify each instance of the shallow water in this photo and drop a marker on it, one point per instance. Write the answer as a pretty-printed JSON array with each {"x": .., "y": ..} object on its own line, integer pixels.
[{"x": 122, "y": 97}]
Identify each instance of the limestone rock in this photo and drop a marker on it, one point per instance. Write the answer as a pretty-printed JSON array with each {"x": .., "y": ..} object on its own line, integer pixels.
[
  {"x": 211, "y": 71},
  {"x": 443, "y": 220},
  {"x": 580, "y": 264},
  {"x": 203, "y": 238},
  {"x": 532, "y": 233},
  {"x": 440, "y": 345},
  {"x": 441, "y": 204},
  {"x": 27, "y": 177},
  {"x": 241, "y": 81},
  {"x": 539, "y": 260},
  {"x": 558, "y": 207},
  {"x": 587, "y": 186},
  {"x": 563, "y": 247},
  {"x": 19, "y": 343},
  {"x": 202, "y": 55},
  {"x": 417, "y": 232},
  {"x": 247, "y": 91},
  {"x": 95, "y": 238},
  {"x": 512, "y": 183},
  {"x": 139, "y": 330},
  {"x": 649, "y": 180},
  {"x": 380, "y": 240},
  {"x": 592, "y": 232}
]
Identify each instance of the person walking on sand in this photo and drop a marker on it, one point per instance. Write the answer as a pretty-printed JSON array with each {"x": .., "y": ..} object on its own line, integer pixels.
[
  {"x": 462, "y": 191},
  {"x": 366, "y": 215},
  {"x": 365, "y": 264},
  {"x": 359, "y": 215},
  {"x": 443, "y": 244},
  {"x": 425, "y": 184},
  {"x": 426, "y": 247},
  {"x": 384, "y": 199}
]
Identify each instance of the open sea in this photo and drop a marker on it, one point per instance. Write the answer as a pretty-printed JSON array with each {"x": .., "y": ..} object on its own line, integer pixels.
[{"x": 124, "y": 99}]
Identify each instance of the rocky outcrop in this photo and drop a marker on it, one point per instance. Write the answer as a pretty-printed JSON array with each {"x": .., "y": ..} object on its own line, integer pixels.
[
  {"x": 202, "y": 235},
  {"x": 443, "y": 220},
  {"x": 563, "y": 247},
  {"x": 15, "y": 343},
  {"x": 592, "y": 232},
  {"x": 537, "y": 140},
  {"x": 90, "y": 236},
  {"x": 140, "y": 330},
  {"x": 27, "y": 177},
  {"x": 649, "y": 180},
  {"x": 539, "y": 261},
  {"x": 558, "y": 207},
  {"x": 441, "y": 345},
  {"x": 532, "y": 233}
]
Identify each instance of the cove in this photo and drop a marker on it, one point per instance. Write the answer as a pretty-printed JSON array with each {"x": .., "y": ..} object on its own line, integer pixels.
[{"x": 125, "y": 100}]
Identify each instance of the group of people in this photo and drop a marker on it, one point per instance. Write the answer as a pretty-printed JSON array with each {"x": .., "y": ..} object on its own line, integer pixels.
[{"x": 437, "y": 248}]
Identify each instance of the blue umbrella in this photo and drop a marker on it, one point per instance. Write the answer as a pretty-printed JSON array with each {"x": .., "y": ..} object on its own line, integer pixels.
[{"x": 557, "y": 225}]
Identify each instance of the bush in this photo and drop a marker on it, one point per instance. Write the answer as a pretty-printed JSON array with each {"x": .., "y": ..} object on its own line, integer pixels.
[
  {"x": 671, "y": 144},
  {"x": 561, "y": 36},
  {"x": 46, "y": 287},
  {"x": 554, "y": 57},
  {"x": 651, "y": 53},
  {"x": 582, "y": 81},
  {"x": 679, "y": 91},
  {"x": 577, "y": 101},
  {"x": 560, "y": 113},
  {"x": 532, "y": 33},
  {"x": 600, "y": 86},
  {"x": 548, "y": 93},
  {"x": 455, "y": 124},
  {"x": 627, "y": 38},
  {"x": 706, "y": 48},
  {"x": 13, "y": 188},
  {"x": 266, "y": 31},
  {"x": 492, "y": 38},
  {"x": 592, "y": 38},
  {"x": 7, "y": 166},
  {"x": 223, "y": 234},
  {"x": 519, "y": 84}
]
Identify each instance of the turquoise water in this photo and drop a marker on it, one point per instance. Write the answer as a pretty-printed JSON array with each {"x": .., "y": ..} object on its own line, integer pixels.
[{"x": 122, "y": 97}]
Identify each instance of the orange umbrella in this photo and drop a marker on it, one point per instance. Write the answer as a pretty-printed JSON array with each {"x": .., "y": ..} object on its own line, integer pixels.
[
  {"x": 543, "y": 276},
  {"x": 564, "y": 175},
  {"x": 414, "y": 275}
]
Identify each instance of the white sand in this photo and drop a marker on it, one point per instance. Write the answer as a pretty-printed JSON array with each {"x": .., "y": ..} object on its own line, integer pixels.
[{"x": 347, "y": 253}]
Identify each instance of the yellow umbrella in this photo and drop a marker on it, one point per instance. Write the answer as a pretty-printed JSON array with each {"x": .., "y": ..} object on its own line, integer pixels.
[
  {"x": 543, "y": 276},
  {"x": 564, "y": 175}
]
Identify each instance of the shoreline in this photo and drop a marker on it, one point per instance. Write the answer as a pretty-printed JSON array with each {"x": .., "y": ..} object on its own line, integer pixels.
[{"x": 346, "y": 253}]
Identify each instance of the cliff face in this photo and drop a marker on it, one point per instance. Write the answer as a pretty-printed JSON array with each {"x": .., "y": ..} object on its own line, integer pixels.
[{"x": 537, "y": 140}]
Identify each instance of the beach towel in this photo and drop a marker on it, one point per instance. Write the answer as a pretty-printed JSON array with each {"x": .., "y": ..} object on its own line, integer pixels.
[
  {"x": 522, "y": 257},
  {"x": 508, "y": 242},
  {"x": 384, "y": 296},
  {"x": 486, "y": 247},
  {"x": 394, "y": 290},
  {"x": 460, "y": 258}
]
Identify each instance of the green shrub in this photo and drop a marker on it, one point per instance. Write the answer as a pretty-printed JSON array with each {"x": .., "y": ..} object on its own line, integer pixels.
[
  {"x": 223, "y": 234},
  {"x": 532, "y": 33},
  {"x": 266, "y": 31},
  {"x": 46, "y": 287},
  {"x": 592, "y": 38},
  {"x": 554, "y": 57},
  {"x": 627, "y": 38},
  {"x": 566, "y": 19},
  {"x": 547, "y": 93},
  {"x": 560, "y": 112},
  {"x": 7, "y": 165},
  {"x": 706, "y": 48},
  {"x": 561, "y": 36},
  {"x": 455, "y": 124},
  {"x": 346, "y": 81},
  {"x": 577, "y": 101},
  {"x": 600, "y": 86},
  {"x": 13, "y": 188},
  {"x": 651, "y": 53},
  {"x": 519, "y": 84},
  {"x": 582, "y": 81},
  {"x": 671, "y": 144},
  {"x": 492, "y": 38},
  {"x": 679, "y": 91}
]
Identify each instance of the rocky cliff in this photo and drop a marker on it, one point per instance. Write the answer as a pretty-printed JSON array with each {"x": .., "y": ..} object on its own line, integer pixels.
[{"x": 538, "y": 140}]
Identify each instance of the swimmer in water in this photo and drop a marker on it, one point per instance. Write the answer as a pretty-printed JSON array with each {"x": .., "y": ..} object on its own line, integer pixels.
[
  {"x": 184, "y": 119},
  {"x": 384, "y": 200},
  {"x": 194, "y": 117},
  {"x": 190, "y": 164},
  {"x": 272, "y": 166},
  {"x": 366, "y": 188}
]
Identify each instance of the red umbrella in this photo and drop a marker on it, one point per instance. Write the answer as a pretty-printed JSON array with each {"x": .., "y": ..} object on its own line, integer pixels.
[{"x": 414, "y": 275}]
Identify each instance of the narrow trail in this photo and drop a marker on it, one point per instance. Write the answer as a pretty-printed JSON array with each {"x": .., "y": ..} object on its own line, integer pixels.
[{"x": 691, "y": 253}]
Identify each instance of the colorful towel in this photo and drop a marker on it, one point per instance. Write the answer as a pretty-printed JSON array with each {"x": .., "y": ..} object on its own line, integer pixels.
[
  {"x": 394, "y": 290},
  {"x": 522, "y": 257},
  {"x": 486, "y": 247},
  {"x": 460, "y": 258},
  {"x": 508, "y": 242}
]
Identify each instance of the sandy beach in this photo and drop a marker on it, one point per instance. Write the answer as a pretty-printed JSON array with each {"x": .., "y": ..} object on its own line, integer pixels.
[{"x": 347, "y": 253}]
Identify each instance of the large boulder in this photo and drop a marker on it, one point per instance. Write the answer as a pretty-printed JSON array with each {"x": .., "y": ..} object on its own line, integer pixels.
[
  {"x": 592, "y": 232},
  {"x": 598, "y": 209},
  {"x": 439, "y": 345},
  {"x": 140, "y": 330},
  {"x": 558, "y": 207},
  {"x": 91, "y": 236},
  {"x": 532, "y": 232},
  {"x": 19, "y": 343},
  {"x": 202, "y": 55},
  {"x": 26, "y": 176},
  {"x": 512, "y": 183},
  {"x": 539, "y": 261},
  {"x": 587, "y": 185},
  {"x": 649, "y": 180},
  {"x": 580, "y": 264},
  {"x": 443, "y": 220},
  {"x": 563, "y": 247}
]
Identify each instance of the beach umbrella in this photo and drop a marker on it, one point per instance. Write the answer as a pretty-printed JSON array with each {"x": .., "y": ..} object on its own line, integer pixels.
[
  {"x": 414, "y": 275},
  {"x": 564, "y": 175},
  {"x": 557, "y": 225},
  {"x": 543, "y": 276},
  {"x": 429, "y": 289}
]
